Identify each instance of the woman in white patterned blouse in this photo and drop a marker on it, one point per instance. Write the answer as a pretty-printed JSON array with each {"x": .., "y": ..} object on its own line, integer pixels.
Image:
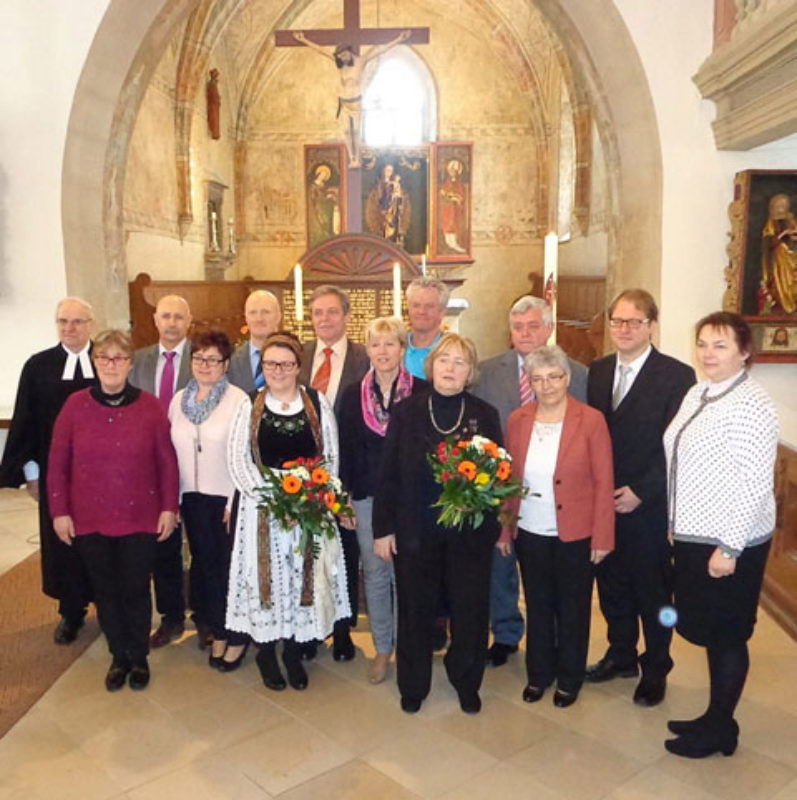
[{"x": 720, "y": 456}]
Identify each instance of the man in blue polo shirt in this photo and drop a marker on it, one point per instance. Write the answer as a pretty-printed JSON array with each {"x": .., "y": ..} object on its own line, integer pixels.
[{"x": 427, "y": 299}]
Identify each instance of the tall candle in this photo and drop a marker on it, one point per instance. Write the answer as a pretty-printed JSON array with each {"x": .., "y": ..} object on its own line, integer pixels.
[
  {"x": 550, "y": 278},
  {"x": 298, "y": 292},
  {"x": 396, "y": 290},
  {"x": 423, "y": 264}
]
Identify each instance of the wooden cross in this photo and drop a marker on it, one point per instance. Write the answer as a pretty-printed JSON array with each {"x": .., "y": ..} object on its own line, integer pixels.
[
  {"x": 351, "y": 33},
  {"x": 352, "y": 36}
]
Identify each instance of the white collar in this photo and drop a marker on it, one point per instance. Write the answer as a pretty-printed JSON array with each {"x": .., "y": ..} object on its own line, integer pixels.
[
  {"x": 637, "y": 363},
  {"x": 178, "y": 349},
  {"x": 72, "y": 360}
]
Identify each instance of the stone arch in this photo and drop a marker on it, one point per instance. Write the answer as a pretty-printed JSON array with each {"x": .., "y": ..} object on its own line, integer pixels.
[{"x": 132, "y": 37}]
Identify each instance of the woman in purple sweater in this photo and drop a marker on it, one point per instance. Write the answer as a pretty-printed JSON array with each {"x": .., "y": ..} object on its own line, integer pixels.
[{"x": 113, "y": 489}]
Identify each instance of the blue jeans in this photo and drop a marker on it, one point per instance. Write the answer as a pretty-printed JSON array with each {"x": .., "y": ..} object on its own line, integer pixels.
[
  {"x": 379, "y": 580},
  {"x": 506, "y": 620}
]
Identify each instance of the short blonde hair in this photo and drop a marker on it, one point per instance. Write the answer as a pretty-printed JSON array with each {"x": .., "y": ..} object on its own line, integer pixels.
[
  {"x": 113, "y": 338},
  {"x": 392, "y": 326},
  {"x": 447, "y": 341}
]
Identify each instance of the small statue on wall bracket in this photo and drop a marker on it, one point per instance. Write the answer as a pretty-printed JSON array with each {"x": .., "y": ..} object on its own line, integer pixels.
[{"x": 213, "y": 98}]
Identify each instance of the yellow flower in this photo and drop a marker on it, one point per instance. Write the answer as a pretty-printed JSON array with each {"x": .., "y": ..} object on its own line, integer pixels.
[{"x": 482, "y": 478}]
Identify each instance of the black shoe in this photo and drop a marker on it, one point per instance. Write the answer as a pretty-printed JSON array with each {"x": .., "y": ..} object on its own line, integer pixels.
[
  {"x": 167, "y": 631},
  {"x": 498, "y": 654},
  {"x": 564, "y": 699},
  {"x": 650, "y": 692},
  {"x": 680, "y": 727},
  {"x": 707, "y": 742},
  {"x": 215, "y": 662},
  {"x": 308, "y": 650},
  {"x": 297, "y": 677},
  {"x": 66, "y": 630},
  {"x": 411, "y": 705},
  {"x": 342, "y": 645},
  {"x": 231, "y": 666},
  {"x": 117, "y": 675},
  {"x": 531, "y": 694},
  {"x": 269, "y": 669},
  {"x": 606, "y": 669},
  {"x": 139, "y": 676},
  {"x": 470, "y": 703}
]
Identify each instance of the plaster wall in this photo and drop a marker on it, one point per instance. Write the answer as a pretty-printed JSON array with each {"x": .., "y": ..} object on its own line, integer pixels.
[
  {"x": 43, "y": 49},
  {"x": 698, "y": 182}
]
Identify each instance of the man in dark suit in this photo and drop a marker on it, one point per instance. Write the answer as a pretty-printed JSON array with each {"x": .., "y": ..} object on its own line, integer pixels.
[
  {"x": 47, "y": 380},
  {"x": 639, "y": 390},
  {"x": 263, "y": 316},
  {"x": 163, "y": 369},
  {"x": 530, "y": 326},
  {"x": 329, "y": 364}
]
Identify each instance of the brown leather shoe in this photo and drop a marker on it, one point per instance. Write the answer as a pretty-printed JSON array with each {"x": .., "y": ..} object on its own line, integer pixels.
[{"x": 167, "y": 632}]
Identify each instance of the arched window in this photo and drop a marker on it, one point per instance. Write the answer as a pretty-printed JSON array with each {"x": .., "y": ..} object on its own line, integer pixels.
[{"x": 399, "y": 104}]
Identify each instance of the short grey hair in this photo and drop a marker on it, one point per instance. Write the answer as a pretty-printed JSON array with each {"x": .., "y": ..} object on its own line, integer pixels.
[
  {"x": 80, "y": 301},
  {"x": 393, "y": 326},
  {"x": 548, "y": 356},
  {"x": 328, "y": 288},
  {"x": 430, "y": 283},
  {"x": 526, "y": 303}
]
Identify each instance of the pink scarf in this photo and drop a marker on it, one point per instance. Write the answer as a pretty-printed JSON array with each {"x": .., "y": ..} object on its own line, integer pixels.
[{"x": 375, "y": 415}]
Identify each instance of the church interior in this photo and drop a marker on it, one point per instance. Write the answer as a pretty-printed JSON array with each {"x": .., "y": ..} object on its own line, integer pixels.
[{"x": 194, "y": 146}]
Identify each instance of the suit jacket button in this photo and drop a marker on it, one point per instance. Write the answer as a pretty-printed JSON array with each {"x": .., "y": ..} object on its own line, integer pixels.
[{"x": 559, "y": 507}]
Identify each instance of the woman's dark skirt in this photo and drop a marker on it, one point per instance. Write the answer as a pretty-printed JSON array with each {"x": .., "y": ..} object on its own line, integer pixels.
[{"x": 717, "y": 611}]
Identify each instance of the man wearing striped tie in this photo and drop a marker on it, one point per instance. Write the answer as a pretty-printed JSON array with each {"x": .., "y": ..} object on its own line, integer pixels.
[
  {"x": 263, "y": 316},
  {"x": 503, "y": 383},
  {"x": 163, "y": 369}
]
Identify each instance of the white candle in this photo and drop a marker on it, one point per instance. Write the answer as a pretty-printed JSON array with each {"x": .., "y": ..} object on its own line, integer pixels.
[
  {"x": 550, "y": 278},
  {"x": 423, "y": 264},
  {"x": 298, "y": 292},
  {"x": 396, "y": 290}
]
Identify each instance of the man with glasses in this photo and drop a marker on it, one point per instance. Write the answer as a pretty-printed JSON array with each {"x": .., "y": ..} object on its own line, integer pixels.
[
  {"x": 163, "y": 369},
  {"x": 639, "y": 390},
  {"x": 263, "y": 316},
  {"x": 47, "y": 380},
  {"x": 503, "y": 384},
  {"x": 329, "y": 365}
]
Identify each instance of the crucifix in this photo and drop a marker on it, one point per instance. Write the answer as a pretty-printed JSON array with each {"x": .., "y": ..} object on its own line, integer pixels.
[{"x": 350, "y": 64}]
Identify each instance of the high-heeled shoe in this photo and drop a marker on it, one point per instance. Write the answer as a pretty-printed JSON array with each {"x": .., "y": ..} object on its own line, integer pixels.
[
  {"x": 706, "y": 741},
  {"x": 230, "y": 666},
  {"x": 270, "y": 672},
  {"x": 292, "y": 658}
]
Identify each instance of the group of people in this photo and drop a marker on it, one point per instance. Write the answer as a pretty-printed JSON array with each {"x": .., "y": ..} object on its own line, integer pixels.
[{"x": 658, "y": 487}]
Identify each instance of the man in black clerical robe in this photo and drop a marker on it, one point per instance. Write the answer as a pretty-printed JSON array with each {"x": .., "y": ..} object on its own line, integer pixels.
[{"x": 47, "y": 379}]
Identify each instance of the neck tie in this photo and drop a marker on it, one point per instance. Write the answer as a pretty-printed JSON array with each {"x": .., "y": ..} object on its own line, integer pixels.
[
  {"x": 619, "y": 392},
  {"x": 167, "y": 380},
  {"x": 321, "y": 378},
  {"x": 526, "y": 394},
  {"x": 260, "y": 380}
]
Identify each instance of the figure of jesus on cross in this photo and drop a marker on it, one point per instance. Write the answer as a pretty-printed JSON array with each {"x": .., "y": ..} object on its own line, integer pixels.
[{"x": 351, "y": 65}]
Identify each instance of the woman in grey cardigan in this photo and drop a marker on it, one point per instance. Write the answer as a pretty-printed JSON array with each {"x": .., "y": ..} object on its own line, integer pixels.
[{"x": 720, "y": 454}]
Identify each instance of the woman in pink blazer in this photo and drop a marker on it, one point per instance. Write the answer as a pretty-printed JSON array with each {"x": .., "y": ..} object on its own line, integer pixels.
[{"x": 562, "y": 453}]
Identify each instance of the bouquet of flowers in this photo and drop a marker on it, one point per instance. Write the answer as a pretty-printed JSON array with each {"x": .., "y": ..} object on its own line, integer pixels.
[
  {"x": 475, "y": 476},
  {"x": 304, "y": 493}
]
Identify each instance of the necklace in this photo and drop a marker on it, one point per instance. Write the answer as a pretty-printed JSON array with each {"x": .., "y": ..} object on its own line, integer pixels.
[
  {"x": 456, "y": 424},
  {"x": 545, "y": 430},
  {"x": 284, "y": 404}
]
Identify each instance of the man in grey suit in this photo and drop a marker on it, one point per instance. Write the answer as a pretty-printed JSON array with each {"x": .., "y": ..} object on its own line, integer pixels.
[
  {"x": 530, "y": 326},
  {"x": 164, "y": 369},
  {"x": 329, "y": 365},
  {"x": 263, "y": 316}
]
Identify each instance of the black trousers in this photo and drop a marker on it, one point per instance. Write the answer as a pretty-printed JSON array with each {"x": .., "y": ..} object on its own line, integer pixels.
[
  {"x": 461, "y": 561},
  {"x": 119, "y": 568},
  {"x": 557, "y": 584},
  {"x": 211, "y": 549},
  {"x": 167, "y": 575},
  {"x": 634, "y": 582}
]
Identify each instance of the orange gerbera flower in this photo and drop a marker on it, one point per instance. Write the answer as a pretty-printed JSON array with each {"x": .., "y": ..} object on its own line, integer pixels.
[
  {"x": 330, "y": 499},
  {"x": 319, "y": 475},
  {"x": 491, "y": 448},
  {"x": 468, "y": 469},
  {"x": 504, "y": 471},
  {"x": 291, "y": 484}
]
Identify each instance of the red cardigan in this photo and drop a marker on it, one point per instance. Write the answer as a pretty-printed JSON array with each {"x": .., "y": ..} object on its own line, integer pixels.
[{"x": 583, "y": 478}]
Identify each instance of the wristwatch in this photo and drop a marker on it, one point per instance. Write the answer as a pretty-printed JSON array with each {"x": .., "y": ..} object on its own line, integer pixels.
[{"x": 726, "y": 554}]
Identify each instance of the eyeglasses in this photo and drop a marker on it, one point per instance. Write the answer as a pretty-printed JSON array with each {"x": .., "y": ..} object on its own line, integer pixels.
[
  {"x": 207, "y": 361},
  {"x": 541, "y": 380},
  {"x": 61, "y": 322},
  {"x": 278, "y": 366},
  {"x": 106, "y": 361},
  {"x": 633, "y": 324}
]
